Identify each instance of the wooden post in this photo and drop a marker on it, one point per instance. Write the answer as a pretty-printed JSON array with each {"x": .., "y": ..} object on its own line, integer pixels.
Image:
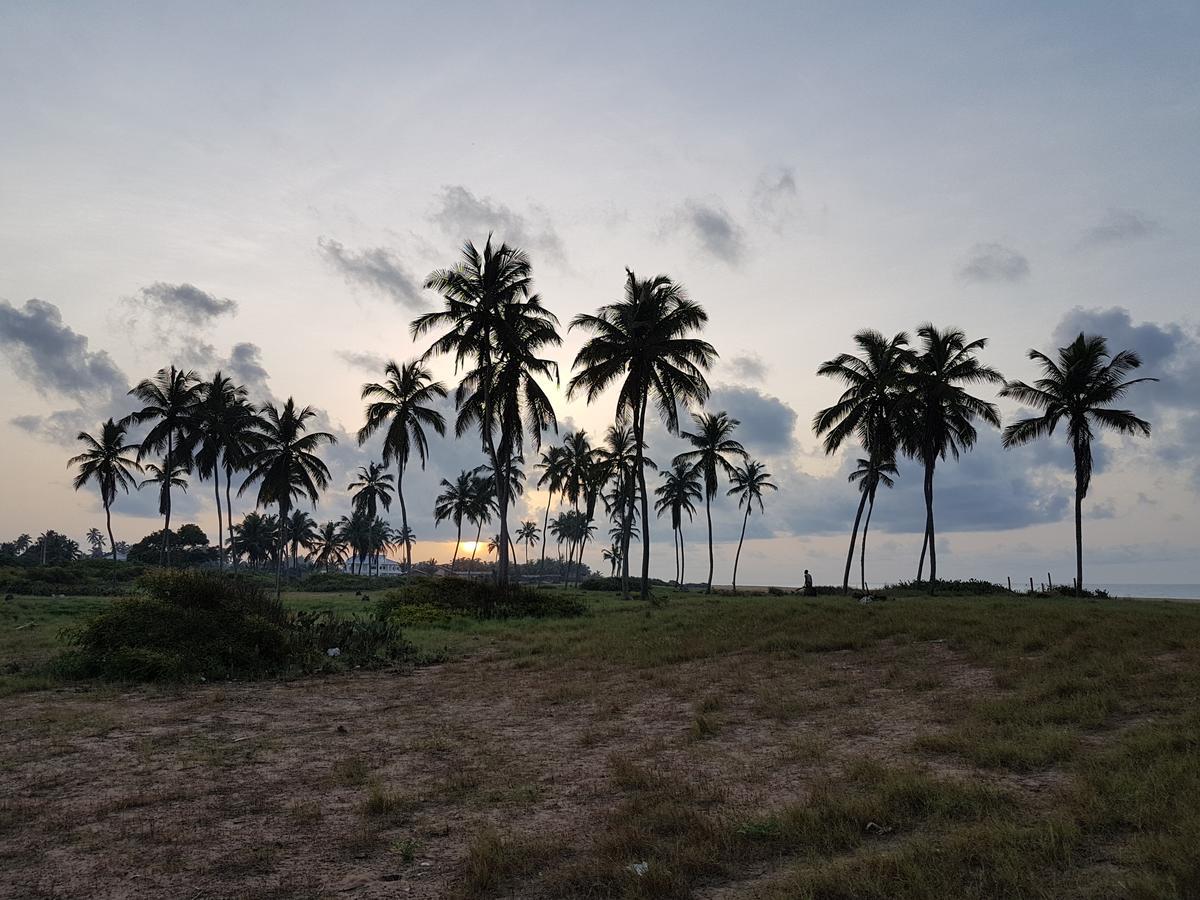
[
  {"x": 1010, "y": 583},
  {"x": 1031, "y": 584},
  {"x": 1049, "y": 582}
]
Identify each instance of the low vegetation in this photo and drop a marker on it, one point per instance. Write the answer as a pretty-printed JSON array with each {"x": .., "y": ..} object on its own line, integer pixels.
[{"x": 433, "y": 601}]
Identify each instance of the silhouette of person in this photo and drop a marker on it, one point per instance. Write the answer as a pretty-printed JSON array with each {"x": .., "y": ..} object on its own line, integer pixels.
[{"x": 808, "y": 586}]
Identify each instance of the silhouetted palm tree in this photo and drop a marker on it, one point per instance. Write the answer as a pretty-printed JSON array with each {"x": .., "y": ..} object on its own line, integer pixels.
[
  {"x": 747, "y": 483},
  {"x": 644, "y": 342},
  {"x": 867, "y": 410},
  {"x": 619, "y": 457},
  {"x": 356, "y": 529},
  {"x": 401, "y": 406},
  {"x": 300, "y": 531},
  {"x": 329, "y": 548},
  {"x": 496, "y": 326},
  {"x": 169, "y": 401},
  {"x": 287, "y": 465},
  {"x": 95, "y": 537},
  {"x": 1076, "y": 390},
  {"x": 372, "y": 489},
  {"x": 678, "y": 494},
  {"x": 220, "y": 408},
  {"x": 103, "y": 461},
  {"x": 166, "y": 478},
  {"x": 715, "y": 452},
  {"x": 455, "y": 503},
  {"x": 529, "y": 534},
  {"x": 938, "y": 414},
  {"x": 552, "y": 465},
  {"x": 870, "y": 474}
]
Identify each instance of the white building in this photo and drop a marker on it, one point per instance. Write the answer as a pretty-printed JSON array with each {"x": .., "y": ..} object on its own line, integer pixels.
[{"x": 383, "y": 566}]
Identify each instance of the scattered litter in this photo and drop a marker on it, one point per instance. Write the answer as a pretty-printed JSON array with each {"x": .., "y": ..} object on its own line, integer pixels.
[
  {"x": 639, "y": 869},
  {"x": 874, "y": 828},
  {"x": 333, "y": 651}
]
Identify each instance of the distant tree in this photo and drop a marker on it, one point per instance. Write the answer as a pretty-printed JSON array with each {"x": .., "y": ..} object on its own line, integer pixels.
[
  {"x": 678, "y": 494},
  {"x": 220, "y": 420},
  {"x": 402, "y": 407},
  {"x": 870, "y": 474},
  {"x": 748, "y": 481},
  {"x": 715, "y": 452},
  {"x": 300, "y": 531},
  {"x": 552, "y": 464},
  {"x": 529, "y": 534},
  {"x": 1076, "y": 390},
  {"x": 372, "y": 488},
  {"x": 328, "y": 551},
  {"x": 455, "y": 503},
  {"x": 104, "y": 462},
  {"x": 166, "y": 477},
  {"x": 645, "y": 343}
]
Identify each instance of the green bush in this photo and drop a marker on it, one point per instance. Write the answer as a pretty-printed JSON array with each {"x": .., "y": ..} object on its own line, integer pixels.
[
  {"x": 86, "y": 577},
  {"x": 609, "y": 583},
  {"x": 186, "y": 624},
  {"x": 423, "y": 598},
  {"x": 971, "y": 587}
]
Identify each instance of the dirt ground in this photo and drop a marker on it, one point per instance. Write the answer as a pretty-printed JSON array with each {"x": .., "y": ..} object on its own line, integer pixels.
[{"x": 374, "y": 785}]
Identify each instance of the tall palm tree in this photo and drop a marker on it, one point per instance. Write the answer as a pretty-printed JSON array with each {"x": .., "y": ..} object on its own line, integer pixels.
[
  {"x": 495, "y": 328},
  {"x": 329, "y": 548},
  {"x": 166, "y": 477},
  {"x": 356, "y": 529},
  {"x": 219, "y": 410},
  {"x": 747, "y": 483},
  {"x": 867, "y": 410},
  {"x": 241, "y": 435},
  {"x": 287, "y": 466},
  {"x": 455, "y": 503},
  {"x": 170, "y": 401},
  {"x": 408, "y": 539},
  {"x": 481, "y": 507},
  {"x": 95, "y": 537},
  {"x": 104, "y": 461},
  {"x": 715, "y": 453},
  {"x": 301, "y": 531},
  {"x": 1076, "y": 390},
  {"x": 620, "y": 459},
  {"x": 870, "y": 474},
  {"x": 401, "y": 406},
  {"x": 552, "y": 464},
  {"x": 644, "y": 342},
  {"x": 938, "y": 413},
  {"x": 372, "y": 489},
  {"x": 529, "y": 534},
  {"x": 678, "y": 494}
]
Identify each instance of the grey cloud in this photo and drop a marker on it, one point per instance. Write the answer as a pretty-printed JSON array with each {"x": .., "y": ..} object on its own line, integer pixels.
[
  {"x": 1105, "y": 509},
  {"x": 713, "y": 229},
  {"x": 994, "y": 263},
  {"x": 462, "y": 215},
  {"x": 365, "y": 361},
  {"x": 51, "y": 357},
  {"x": 767, "y": 423},
  {"x": 1119, "y": 226},
  {"x": 748, "y": 366},
  {"x": 377, "y": 268},
  {"x": 184, "y": 302},
  {"x": 245, "y": 366},
  {"x": 774, "y": 201}
]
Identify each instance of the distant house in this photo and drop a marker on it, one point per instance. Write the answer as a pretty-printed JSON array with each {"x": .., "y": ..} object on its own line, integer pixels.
[{"x": 382, "y": 566}]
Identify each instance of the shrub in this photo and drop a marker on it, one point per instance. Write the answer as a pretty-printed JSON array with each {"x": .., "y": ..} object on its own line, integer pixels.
[
  {"x": 424, "y": 600},
  {"x": 972, "y": 587},
  {"x": 609, "y": 583},
  {"x": 187, "y": 624}
]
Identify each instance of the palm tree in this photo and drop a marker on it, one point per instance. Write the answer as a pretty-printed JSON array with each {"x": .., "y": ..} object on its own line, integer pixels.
[
  {"x": 221, "y": 406},
  {"x": 481, "y": 507},
  {"x": 496, "y": 326},
  {"x": 529, "y": 534},
  {"x": 938, "y": 414},
  {"x": 619, "y": 458},
  {"x": 255, "y": 537},
  {"x": 356, "y": 529},
  {"x": 301, "y": 531},
  {"x": 287, "y": 465},
  {"x": 678, "y": 494},
  {"x": 241, "y": 435},
  {"x": 455, "y": 503},
  {"x": 552, "y": 465},
  {"x": 400, "y": 405},
  {"x": 372, "y": 489},
  {"x": 747, "y": 483},
  {"x": 1076, "y": 390},
  {"x": 644, "y": 343},
  {"x": 612, "y": 556},
  {"x": 166, "y": 478},
  {"x": 104, "y": 461},
  {"x": 714, "y": 451},
  {"x": 870, "y": 474},
  {"x": 169, "y": 401},
  {"x": 329, "y": 548},
  {"x": 867, "y": 409},
  {"x": 408, "y": 539}
]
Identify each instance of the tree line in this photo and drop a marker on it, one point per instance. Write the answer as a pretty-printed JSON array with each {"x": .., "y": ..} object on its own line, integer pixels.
[{"x": 898, "y": 400}]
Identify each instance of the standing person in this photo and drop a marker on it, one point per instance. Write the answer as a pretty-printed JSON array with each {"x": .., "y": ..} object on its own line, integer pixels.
[{"x": 808, "y": 586}]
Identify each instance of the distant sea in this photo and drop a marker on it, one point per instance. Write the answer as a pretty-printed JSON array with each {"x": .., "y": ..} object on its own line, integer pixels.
[{"x": 1165, "y": 591}]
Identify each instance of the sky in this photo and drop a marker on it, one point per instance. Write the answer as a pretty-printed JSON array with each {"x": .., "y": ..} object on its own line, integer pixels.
[{"x": 263, "y": 188}]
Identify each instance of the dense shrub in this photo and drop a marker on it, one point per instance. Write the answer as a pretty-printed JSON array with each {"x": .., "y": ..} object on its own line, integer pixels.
[
  {"x": 610, "y": 583},
  {"x": 434, "y": 600},
  {"x": 86, "y": 577},
  {"x": 972, "y": 587},
  {"x": 186, "y": 624}
]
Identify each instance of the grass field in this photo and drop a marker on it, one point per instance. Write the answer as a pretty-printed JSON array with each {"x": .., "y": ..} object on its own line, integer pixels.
[{"x": 771, "y": 747}]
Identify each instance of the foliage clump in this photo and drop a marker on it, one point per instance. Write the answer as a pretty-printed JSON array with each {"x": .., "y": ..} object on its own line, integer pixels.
[
  {"x": 427, "y": 601},
  {"x": 188, "y": 625}
]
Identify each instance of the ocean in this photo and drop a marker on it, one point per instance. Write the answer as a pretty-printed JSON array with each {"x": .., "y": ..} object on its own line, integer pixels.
[{"x": 1165, "y": 591}]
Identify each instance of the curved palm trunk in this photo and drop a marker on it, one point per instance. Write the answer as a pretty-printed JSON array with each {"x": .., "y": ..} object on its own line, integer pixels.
[
  {"x": 403, "y": 518},
  {"x": 708, "y": 515},
  {"x": 545, "y": 533},
  {"x": 108, "y": 522},
  {"x": 641, "y": 476},
  {"x": 862, "y": 557},
  {"x": 1078, "y": 537},
  {"x": 675, "y": 546},
  {"x": 682, "y": 559},
  {"x": 929, "y": 529},
  {"x": 162, "y": 556},
  {"x": 853, "y": 539},
  {"x": 220, "y": 523},
  {"x": 229, "y": 519},
  {"x": 457, "y": 541},
  {"x": 737, "y": 556}
]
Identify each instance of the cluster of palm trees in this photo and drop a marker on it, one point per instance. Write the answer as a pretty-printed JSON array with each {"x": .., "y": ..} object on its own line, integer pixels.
[{"x": 914, "y": 401}]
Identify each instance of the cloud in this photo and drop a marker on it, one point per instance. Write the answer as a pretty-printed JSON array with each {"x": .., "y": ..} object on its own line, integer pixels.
[
  {"x": 462, "y": 216},
  {"x": 1119, "y": 226},
  {"x": 714, "y": 230},
  {"x": 184, "y": 302},
  {"x": 767, "y": 423},
  {"x": 377, "y": 268},
  {"x": 994, "y": 263},
  {"x": 372, "y": 363},
  {"x": 775, "y": 200},
  {"x": 51, "y": 357},
  {"x": 748, "y": 366},
  {"x": 245, "y": 366}
]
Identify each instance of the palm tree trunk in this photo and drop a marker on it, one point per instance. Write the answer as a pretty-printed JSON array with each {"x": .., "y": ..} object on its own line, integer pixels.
[
  {"x": 708, "y": 515},
  {"x": 475, "y": 549},
  {"x": 457, "y": 541},
  {"x": 862, "y": 557},
  {"x": 738, "y": 555},
  {"x": 929, "y": 526},
  {"x": 924, "y": 550},
  {"x": 853, "y": 538},
  {"x": 641, "y": 476},
  {"x": 162, "y": 556},
  {"x": 675, "y": 546},
  {"x": 403, "y": 517},
  {"x": 545, "y": 533},
  {"x": 1078, "y": 538},
  {"x": 229, "y": 519},
  {"x": 108, "y": 521},
  {"x": 220, "y": 523},
  {"x": 682, "y": 559},
  {"x": 279, "y": 549}
]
